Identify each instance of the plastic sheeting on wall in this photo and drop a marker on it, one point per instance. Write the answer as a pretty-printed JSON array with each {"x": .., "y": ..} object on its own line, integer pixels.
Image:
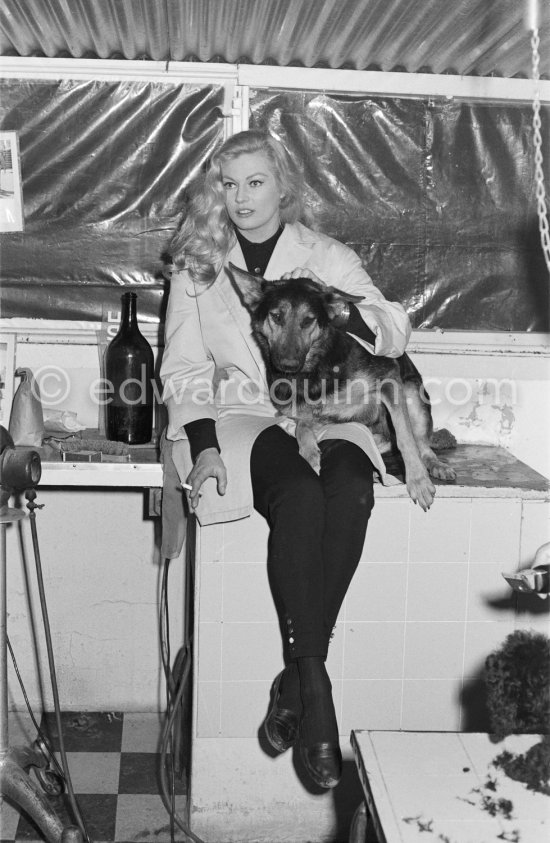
[
  {"x": 437, "y": 197},
  {"x": 105, "y": 169}
]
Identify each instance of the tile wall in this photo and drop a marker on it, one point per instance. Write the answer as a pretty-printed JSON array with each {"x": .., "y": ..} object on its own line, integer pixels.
[{"x": 427, "y": 605}]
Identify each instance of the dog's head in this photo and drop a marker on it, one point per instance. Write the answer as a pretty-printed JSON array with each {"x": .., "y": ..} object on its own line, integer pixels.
[{"x": 290, "y": 318}]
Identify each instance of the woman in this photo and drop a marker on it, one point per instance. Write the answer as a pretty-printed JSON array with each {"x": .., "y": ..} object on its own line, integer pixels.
[{"x": 232, "y": 449}]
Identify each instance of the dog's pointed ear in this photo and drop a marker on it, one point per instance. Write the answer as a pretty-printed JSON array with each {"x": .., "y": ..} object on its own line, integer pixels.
[
  {"x": 250, "y": 288},
  {"x": 333, "y": 298}
]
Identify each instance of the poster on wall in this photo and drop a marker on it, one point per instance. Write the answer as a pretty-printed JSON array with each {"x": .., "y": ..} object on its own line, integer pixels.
[{"x": 11, "y": 194}]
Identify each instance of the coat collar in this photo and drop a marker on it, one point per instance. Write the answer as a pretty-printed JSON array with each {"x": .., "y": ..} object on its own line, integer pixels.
[
  {"x": 293, "y": 247},
  {"x": 291, "y": 251}
]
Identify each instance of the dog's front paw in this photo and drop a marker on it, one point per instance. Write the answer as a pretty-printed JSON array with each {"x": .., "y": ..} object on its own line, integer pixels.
[
  {"x": 312, "y": 454},
  {"x": 439, "y": 469},
  {"x": 421, "y": 490},
  {"x": 307, "y": 444}
]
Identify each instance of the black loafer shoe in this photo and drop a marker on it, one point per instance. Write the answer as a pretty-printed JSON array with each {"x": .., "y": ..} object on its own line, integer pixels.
[
  {"x": 280, "y": 724},
  {"x": 323, "y": 761}
]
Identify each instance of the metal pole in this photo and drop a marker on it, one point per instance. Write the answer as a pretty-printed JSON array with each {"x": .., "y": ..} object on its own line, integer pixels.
[{"x": 3, "y": 647}]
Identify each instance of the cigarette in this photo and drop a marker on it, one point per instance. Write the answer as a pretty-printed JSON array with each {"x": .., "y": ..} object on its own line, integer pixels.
[{"x": 189, "y": 487}]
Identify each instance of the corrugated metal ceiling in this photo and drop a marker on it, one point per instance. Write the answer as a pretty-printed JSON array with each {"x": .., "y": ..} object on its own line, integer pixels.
[{"x": 466, "y": 37}]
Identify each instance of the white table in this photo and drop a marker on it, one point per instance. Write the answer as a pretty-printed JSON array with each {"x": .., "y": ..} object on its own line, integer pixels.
[
  {"x": 140, "y": 468},
  {"x": 442, "y": 787},
  {"x": 141, "y": 475}
]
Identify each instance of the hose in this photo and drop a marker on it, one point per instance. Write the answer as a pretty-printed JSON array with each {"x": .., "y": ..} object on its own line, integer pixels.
[
  {"x": 164, "y": 786},
  {"x": 176, "y": 686}
]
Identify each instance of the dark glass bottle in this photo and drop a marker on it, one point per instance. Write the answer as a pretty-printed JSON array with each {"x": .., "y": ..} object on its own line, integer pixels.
[{"x": 129, "y": 370}]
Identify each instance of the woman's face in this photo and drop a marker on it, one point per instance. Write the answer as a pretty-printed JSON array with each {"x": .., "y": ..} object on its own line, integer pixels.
[{"x": 252, "y": 195}]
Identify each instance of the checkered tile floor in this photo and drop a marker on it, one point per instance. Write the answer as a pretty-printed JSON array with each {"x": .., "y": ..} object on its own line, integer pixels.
[{"x": 114, "y": 766}]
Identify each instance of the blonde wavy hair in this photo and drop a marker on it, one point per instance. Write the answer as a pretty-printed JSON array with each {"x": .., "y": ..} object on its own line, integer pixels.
[{"x": 207, "y": 234}]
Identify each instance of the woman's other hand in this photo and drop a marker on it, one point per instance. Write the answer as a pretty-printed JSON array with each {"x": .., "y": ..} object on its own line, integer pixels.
[
  {"x": 301, "y": 272},
  {"x": 208, "y": 464}
]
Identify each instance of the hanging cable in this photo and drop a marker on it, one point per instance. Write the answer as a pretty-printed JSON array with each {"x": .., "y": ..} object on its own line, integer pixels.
[
  {"x": 542, "y": 211},
  {"x": 177, "y": 683},
  {"x": 171, "y": 690}
]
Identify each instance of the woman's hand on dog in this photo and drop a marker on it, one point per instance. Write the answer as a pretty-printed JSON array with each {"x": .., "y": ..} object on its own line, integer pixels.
[
  {"x": 337, "y": 306},
  {"x": 301, "y": 272},
  {"x": 208, "y": 464}
]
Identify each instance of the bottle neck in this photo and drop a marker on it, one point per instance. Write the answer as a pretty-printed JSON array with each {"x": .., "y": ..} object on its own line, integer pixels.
[{"x": 128, "y": 316}]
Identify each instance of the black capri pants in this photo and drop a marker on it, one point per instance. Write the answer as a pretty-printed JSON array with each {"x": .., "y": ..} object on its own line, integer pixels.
[{"x": 317, "y": 531}]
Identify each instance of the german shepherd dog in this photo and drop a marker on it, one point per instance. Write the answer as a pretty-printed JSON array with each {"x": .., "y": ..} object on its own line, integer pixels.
[{"x": 319, "y": 374}]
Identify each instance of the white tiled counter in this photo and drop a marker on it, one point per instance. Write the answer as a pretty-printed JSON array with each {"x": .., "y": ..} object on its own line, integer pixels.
[
  {"x": 443, "y": 786},
  {"x": 427, "y": 605}
]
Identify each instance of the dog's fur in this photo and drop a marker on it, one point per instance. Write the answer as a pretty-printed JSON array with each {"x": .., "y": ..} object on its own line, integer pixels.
[
  {"x": 318, "y": 374},
  {"x": 517, "y": 679}
]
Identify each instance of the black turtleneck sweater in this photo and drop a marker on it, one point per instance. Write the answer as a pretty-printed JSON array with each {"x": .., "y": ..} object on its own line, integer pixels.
[
  {"x": 258, "y": 255},
  {"x": 202, "y": 432}
]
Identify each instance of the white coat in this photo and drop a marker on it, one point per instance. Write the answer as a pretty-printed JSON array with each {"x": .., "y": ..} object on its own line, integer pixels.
[{"x": 212, "y": 366}]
